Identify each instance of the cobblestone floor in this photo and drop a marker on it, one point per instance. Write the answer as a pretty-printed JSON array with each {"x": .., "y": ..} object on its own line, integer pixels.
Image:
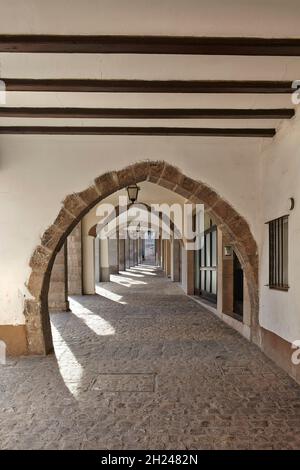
[{"x": 140, "y": 365}]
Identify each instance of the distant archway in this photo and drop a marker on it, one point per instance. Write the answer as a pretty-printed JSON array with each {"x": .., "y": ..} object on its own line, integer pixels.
[{"x": 76, "y": 205}]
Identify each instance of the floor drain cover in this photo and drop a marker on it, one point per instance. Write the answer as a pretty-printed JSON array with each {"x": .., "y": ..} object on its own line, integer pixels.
[{"x": 125, "y": 383}]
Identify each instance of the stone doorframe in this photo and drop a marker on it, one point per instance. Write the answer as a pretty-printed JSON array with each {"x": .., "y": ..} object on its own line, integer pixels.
[{"x": 76, "y": 205}]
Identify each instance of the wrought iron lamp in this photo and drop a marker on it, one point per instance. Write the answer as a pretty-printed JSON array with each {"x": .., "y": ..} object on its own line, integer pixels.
[{"x": 132, "y": 192}]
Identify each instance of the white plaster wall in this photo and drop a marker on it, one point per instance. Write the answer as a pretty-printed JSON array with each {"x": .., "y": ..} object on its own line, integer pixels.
[
  {"x": 192, "y": 17},
  {"x": 37, "y": 172},
  {"x": 280, "y": 311}
]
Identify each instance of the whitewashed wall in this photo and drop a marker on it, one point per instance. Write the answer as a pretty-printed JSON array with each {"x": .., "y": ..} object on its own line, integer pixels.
[
  {"x": 37, "y": 172},
  {"x": 280, "y": 311}
]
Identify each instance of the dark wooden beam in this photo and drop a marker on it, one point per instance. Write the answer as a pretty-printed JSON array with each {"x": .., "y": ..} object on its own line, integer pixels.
[
  {"x": 147, "y": 113},
  {"x": 150, "y": 45},
  {"x": 147, "y": 86},
  {"x": 143, "y": 131}
]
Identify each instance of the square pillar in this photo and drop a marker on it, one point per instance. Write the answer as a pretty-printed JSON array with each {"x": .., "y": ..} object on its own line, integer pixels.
[
  {"x": 113, "y": 255},
  {"x": 227, "y": 280},
  {"x": 175, "y": 253},
  {"x": 122, "y": 264},
  {"x": 58, "y": 289},
  {"x": 127, "y": 253},
  {"x": 168, "y": 258},
  {"x": 104, "y": 261},
  {"x": 158, "y": 251},
  {"x": 74, "y": 252}
]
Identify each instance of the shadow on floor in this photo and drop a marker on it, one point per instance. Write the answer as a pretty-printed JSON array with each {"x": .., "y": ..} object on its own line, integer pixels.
[{"x": 142, "y": 366}]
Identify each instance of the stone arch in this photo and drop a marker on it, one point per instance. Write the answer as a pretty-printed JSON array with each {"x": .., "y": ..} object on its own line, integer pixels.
[{"x": 76, "y": 205}]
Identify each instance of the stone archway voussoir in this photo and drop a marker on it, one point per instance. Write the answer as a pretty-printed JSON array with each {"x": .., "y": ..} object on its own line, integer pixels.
[
  {"x": 40, "y": 259},
  {"x": 107, "y": 184},
  {"x": 207, "y": 196},
  {"x": 90, "y": 195},
  {"x": 170, "y": 177},
  {"x": 155, "y": 170},
  {"x": 51, "y": 237},
  {"x": 126, "y": 177},
  {"x": 74, "y": 205},
  {"x": 141, "y": 171},
  {"x": 35, "y": 284},
  {"x": 64, "y": 219}
]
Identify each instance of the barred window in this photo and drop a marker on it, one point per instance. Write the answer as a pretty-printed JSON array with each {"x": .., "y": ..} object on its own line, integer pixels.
[{"x": 278, "y": 253}]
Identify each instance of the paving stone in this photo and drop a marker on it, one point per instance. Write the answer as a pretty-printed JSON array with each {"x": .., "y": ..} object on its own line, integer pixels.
[{"x": 213, "y": 389}]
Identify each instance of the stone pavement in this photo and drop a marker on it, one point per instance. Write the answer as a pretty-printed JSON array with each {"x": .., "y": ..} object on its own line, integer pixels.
[{"x": 142, "y": 366}]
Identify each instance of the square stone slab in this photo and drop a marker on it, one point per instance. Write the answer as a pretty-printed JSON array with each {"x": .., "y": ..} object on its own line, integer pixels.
[{"x": 125, "y": 383}]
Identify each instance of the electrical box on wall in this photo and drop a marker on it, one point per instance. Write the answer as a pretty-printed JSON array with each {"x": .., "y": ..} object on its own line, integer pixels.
[{"x": 228, "y": 251}]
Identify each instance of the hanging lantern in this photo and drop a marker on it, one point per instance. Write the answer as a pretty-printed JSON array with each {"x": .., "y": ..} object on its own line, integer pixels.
[{"x": 132, "y": 192}]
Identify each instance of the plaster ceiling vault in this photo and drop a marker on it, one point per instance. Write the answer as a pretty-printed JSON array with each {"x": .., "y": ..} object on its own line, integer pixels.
[{"x": 186, "y": 70}]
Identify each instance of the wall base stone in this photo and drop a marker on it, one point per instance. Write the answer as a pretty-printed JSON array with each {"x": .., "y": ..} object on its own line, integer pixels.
[
  {"x": 14, "y": 336},
  {"x": 280, "y": 351},
  {"x": 104, "y": 274}
]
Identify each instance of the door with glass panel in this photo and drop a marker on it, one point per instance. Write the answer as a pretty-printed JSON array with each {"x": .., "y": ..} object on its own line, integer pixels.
[{"x": 208, "y": 265}]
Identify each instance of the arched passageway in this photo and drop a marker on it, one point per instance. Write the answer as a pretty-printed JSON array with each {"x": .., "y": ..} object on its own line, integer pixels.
[
  {"x": 144, "y": 366},
  {"x": 75, "y": 206}
]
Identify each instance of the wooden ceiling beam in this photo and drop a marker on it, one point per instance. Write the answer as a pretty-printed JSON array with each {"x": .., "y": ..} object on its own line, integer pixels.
[
  {"x": 147, "y": 86},
  {"x": 138, "y": 131},
  {"x": 110, "y": 44},
  {"x": 146, "y": 113}
]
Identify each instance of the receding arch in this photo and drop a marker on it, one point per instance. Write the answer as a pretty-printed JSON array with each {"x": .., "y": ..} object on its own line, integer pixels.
[
  {"x": 76, "y": 205},
  {"x": 144, "y": 207}
]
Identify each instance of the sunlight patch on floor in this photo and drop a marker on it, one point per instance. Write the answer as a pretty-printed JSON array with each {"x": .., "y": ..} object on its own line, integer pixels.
[
  {"x": 70, "y": 369},
  {"x": 148, "y": 273},
  {"x": 131, "y": 273},
  {"x": 108, "y": 294},
  {"x": 125, "y": 281},
  {"x": 93, "y": 321}
]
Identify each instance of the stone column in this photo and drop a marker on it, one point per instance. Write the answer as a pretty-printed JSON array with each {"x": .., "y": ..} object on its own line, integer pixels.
[
  {"x": 136, "y": 243},
  {"x": 127, "y": 253},
  {"x": 143, "y": 249},
  {"x": 88, "y": 259},
  {"x": 163, "y": 252},
  {"x": 158, "y": 251},
  {"x": 133, "y": 253},
  {"x": 113, "y": 255},
  {"x": 74, "y": 249},
  {"x": 247, "y": 304},
  {"x": 220, "y": 271},
  {"x": 97, "y": 258},
  {"x": 168, "y": 258},
  {"x": 227, "y": 279},
  {"x": 131, "y": 259},
  {"x": 58, "y": 290},
  {"x": 140, "y": 251},
  {"x": 190, "y": 272},
  {"x": 104, "y": 261},
  {"x": 122, "y": 264},
  {"x": 175, "y": 253}
]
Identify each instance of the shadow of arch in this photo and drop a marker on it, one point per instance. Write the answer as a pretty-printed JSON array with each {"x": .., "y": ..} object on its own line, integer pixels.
[{"x": 76, "y": 205}]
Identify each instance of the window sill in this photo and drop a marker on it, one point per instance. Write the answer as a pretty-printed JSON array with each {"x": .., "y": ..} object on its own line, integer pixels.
[{"x": 281, "y": 288}]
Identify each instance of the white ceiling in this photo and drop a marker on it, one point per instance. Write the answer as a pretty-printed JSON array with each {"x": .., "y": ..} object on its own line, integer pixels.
[{"x": 260, "y": 18}]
